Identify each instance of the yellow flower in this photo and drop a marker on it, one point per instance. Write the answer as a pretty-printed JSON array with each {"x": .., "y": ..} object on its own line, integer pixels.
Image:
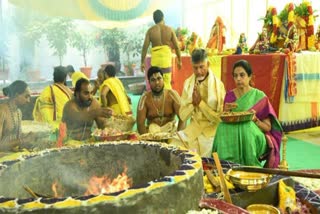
[
  {"x": 291, "y": 16},
  {"x": 311, "y": 21},
  {"x": 311, "y": 42},
  {"x": 273, "y": 38}
]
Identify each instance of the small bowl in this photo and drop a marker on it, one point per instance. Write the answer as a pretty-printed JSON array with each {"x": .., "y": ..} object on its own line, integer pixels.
[
  {"x": 250, "y": 181},
  {"x": 262, "y": 209}
]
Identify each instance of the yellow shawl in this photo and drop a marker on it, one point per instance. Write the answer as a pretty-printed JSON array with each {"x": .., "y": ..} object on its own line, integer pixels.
[
  {"x": 76, "y": 76},
  {"x": 215, "y": 91},
  {"x": 117, "y": 89},
  {"x": 49, "y": 105}
]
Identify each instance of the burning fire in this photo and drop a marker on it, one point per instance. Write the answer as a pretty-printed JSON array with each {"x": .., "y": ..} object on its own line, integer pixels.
[
  {"x": 104, "y": 184},
  {"x": 97, "y": 185}
]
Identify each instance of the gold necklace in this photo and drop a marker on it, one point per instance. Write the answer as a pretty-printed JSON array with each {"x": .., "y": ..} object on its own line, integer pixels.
[
  {"x": 16, "y": 118},
  {"x": 160, "y": 112}
]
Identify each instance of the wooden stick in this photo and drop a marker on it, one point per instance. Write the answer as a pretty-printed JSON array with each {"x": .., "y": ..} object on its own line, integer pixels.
[
  {"x": 26, "y": 188},
  {"x": 224, "y": 187},
  {"x": 275, "y": 171},
  {"x": 34, "y": 194},
  {"x": 182, "y": 141},
  {"x": 211, "y": 179}
]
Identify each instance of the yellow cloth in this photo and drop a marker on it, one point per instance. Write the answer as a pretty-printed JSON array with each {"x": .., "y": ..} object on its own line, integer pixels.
[
  {"x": 117, "y": 89},
  {"x": 306, "y": 103},
  {"x": 169, "y": 127},
  {"x": 43, "y": 110},
  {"x": 161, "y": 56},
  {"x": 76, "y": 76},
  {"x": 204, "y": 118},
  {"x": 287, "y": 197},
  {"x": 167, "y": 80}
]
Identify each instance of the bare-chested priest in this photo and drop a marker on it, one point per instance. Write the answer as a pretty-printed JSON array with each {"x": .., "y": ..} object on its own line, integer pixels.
[
  {"x": 158, "y": 108},
  {"x": 161, "y": 37},
  {"x": 80, "y": 112}
]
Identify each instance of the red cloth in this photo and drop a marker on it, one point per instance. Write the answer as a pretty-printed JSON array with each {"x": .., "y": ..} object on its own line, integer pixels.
[{"x": 267, "y": 72}]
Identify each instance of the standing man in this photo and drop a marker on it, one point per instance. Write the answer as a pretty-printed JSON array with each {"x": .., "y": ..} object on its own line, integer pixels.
[
  {"x": 202, "y": 101},
  {"x": 50, "y": 103},
  {"x": 113, "y": 94},
  {"x": 162, "y": 38},
  {"x": 158, "y": 107},
  {"x": 80, "y": 112}
]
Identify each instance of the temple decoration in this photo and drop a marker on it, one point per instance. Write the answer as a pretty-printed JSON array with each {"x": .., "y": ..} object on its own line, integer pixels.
[
  {"x": 291, "y": 16},
  {"x": 217, "y": 36},
  {"x": 317, "y": 39},
  {"x": 305, "y": 25},
  {"x": 194, "y": 41},
  {"x": 275, "y": 25},
  {"x": 182, "y": 34},
  {"x": 102, "y": 13},
  {"x": 292, "y": 40},
  {"x": 262, "y": 43},
  {"x": 242, "y": 44}
]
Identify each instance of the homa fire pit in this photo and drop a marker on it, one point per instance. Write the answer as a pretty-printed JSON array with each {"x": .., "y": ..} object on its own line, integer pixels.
[{"x": 113, "y": 177}]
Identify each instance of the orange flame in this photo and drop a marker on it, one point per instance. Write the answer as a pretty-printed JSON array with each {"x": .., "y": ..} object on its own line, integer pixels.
[
  {"x": 98, "y": 185},
  {"x": 54, "y": 187}
]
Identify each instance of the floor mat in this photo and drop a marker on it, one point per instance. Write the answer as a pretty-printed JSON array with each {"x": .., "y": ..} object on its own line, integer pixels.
[{"x": 311, "y": 136}]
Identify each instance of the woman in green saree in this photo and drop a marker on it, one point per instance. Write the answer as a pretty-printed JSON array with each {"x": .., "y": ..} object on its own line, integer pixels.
[{"x": 249, "y": 142}]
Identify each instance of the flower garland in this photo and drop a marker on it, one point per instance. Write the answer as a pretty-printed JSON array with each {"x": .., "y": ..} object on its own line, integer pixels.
[
  {"x": 275, "y": 25},
  {"x": 310, "y": 27},
  {"x": 290, "y": 15},
  {"x": 305, "y": 12}
]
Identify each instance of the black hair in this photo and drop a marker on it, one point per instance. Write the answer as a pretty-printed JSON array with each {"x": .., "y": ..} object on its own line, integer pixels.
[
  {"x": 153, "y": 70},
  {"x": 15, "y": 88},
  {"x": 245, "y": 65},
  {"x": 79, "y": 83},
  {"x": 157, "y": 16},
  {"x": 110, "y": 70},
  {"x": 59, "y": 74},
  {"x": 198, "y": 55},
  {"x": 70, "y": 69}
]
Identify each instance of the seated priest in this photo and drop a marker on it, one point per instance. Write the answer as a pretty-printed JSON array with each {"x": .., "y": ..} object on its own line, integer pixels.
[
  {"x": 113, "y": 94},
  {"x": 158, "y": 108},
  {"x": 80, "y": 113},
  {"x": 50, "y": 103}
]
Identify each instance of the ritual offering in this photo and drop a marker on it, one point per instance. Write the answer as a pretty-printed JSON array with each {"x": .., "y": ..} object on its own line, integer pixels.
[
  {"x": 271, "y": 193},
  {"x": 41, "y": 132},
  {"x": 235, "y": 117},
  {"x": 160, "y": 136},
  {"x": 120, "y": 122},
  {"x": 109, "y": 134}
]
